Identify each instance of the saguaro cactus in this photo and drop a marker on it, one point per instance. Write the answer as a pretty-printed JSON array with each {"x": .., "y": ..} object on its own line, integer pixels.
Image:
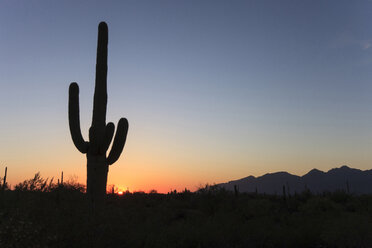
[
  {"x": 100, "y": 134},
  {"x": 4, "y": 179}
]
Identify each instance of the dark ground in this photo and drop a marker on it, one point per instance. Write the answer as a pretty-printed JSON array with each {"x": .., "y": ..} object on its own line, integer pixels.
[{"x": 210, "y": 218}]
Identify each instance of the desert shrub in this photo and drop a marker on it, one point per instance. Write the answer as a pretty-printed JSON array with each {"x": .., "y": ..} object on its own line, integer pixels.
[
  {"x": 153, "y": 191},
  {"x": 213, "y": 190},
  {"x": 319, "y": 206},
  {"x": 3, "y": 187},
  {"x": 71, "y": 185},
  {"x": 340, "y": 196},
  {"x": 37, "y": 183}
]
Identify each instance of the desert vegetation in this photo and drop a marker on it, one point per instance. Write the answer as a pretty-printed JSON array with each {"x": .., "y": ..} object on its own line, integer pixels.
[{"x": 41, "y": 213}]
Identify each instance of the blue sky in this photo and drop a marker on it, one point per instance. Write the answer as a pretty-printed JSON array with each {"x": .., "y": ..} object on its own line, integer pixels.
[{"x": 213, "y": 90}]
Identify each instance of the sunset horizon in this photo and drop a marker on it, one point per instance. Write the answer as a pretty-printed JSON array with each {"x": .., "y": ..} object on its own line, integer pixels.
[{"x": 213, "y": 92}]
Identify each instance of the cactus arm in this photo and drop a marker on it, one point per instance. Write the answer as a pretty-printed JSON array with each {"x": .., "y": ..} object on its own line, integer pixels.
[
  {"x": 119, "y": 141},
  {"x": 74, "y": 119},
  {"x": 109, "y": 133}
]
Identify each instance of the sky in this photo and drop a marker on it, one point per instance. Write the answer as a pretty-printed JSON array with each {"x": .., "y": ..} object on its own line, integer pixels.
[{"x": 213, "y": 90}]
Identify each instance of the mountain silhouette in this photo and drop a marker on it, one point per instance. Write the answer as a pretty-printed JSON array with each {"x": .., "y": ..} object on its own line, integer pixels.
[{"x": 344, "y": 178}]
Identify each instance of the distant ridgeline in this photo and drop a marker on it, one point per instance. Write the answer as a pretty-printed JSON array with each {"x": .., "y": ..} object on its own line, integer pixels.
[{"x": 344, "y": 178}]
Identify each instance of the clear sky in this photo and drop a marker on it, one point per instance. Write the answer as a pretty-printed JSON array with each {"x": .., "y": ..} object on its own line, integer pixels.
[{"x": 213, "y": 90}]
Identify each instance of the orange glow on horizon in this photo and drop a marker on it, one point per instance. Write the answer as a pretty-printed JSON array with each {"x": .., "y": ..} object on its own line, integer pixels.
[{"x": 120, "y": 193}]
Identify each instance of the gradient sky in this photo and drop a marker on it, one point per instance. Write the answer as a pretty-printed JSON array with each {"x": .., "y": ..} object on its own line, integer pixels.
[{"x": 213, "y": 90}]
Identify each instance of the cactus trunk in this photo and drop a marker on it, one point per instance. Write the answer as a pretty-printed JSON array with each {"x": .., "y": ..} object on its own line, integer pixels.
[
  {"x": 97, "y": 171},
  {"x": 100, "y": 134}
]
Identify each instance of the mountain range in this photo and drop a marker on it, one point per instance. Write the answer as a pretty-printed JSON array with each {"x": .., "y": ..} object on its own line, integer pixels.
[{"x": 344, "y": 178}]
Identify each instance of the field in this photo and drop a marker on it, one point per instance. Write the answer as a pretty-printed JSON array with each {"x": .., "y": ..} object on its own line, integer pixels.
[{"x": 59, "y": 216}]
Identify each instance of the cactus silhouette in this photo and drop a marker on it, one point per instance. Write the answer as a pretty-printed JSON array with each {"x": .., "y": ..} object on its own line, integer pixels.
[
  {"x": 100, "y": 134},
  {"x": 4, "y": 179}
]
